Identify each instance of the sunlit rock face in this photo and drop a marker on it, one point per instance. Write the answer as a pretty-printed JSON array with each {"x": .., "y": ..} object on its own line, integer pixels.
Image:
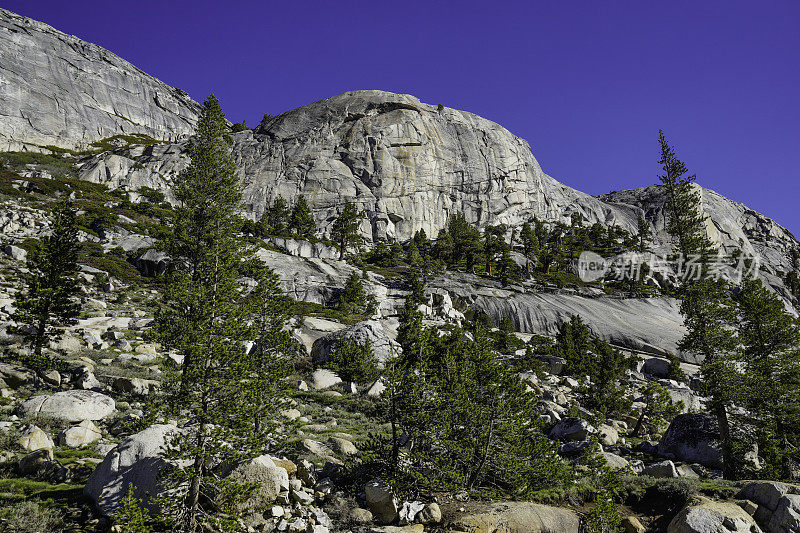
[{"x": 56, "y": 89}]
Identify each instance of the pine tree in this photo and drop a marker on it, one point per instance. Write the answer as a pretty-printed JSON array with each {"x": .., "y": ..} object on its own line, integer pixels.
[
  {"x": 657, "y": 411},
  {"x": 530, "y": 244},
  {"x": 354, "y": 299},
  {"x": 46, "y": 304},
  {"x": 466, "y": 241},
  {"x": 345, "y": 228},
  {"x": 572, "y": 344},
  {"x": 685, "y": 222},
  {"x": 268, "y": 309},
  {"x": 130, "y": 516},
  {"x": 708, "y": 317},
  {"x": 301, "y": 221},
  {"x": 276, "y": 218},
  {"x": 644, "y": 235},
  {"x": 204, "y": 320},
  {"x": 770, "y": 340},
  {"x": 494, "y": 243},
  {"x": 354, "y": 362}
]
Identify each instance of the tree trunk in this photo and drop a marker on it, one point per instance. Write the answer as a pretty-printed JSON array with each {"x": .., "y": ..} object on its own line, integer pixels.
[{"x": 728, "y": 461}]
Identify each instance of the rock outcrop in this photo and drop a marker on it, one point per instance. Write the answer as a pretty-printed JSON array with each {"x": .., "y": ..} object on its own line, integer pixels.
[
  {"x": 136, "y": 460},
  {"x": 56, "y": 89},
  {"x": 407, "y": 164}
]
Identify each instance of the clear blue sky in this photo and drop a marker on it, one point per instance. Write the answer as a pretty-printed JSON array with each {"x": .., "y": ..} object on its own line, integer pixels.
[{"x": 587, "y": 83}]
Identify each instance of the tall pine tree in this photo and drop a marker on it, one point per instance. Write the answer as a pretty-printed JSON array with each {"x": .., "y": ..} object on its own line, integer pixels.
[
  {"x": 203, "y": 319},
  {"x": 47, "y": 302}
]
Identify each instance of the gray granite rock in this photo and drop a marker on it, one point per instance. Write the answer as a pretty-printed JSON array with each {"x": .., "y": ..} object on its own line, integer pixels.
[{"x": 60, "y": 90}]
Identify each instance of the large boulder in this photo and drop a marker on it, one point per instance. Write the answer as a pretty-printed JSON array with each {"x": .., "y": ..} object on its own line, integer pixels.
[
  {"x": 323, "y": 379},
  {"x": 137, "y": 460},
  {"x": 692, "y": 438},
  {"x": 786, "y": 518},
  {"x": 368, "y": 331},
  {"x": 381, "y": 501},
  {"x": 69, "y": 406},
  {"x": 269, "y": 478},
  {"x": 706, "y": 516},
  {"x": 517, "y": 517},
  {"x": 81, "y": 435},
  {"x": 572, "y": 429},
  {"x": 778, "y": 505},
  {"x": 35, "y": 439}
]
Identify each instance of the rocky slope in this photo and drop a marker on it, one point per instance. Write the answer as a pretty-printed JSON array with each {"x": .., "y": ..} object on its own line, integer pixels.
[{"x": 56, "y": 89}]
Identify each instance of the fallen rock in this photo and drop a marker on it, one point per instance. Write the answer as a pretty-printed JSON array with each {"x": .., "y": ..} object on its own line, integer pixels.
[
  {"x": 663, "y": 469},
  {"x": 137, "y": 460},
  {"x": 431, "y": 514},
  {"x": 692, "y": 438},
  {"x": 81, "y": 435},
  {"x": 381, "y": 501},
  {"x": 35, "y": 439},
  {"x": 368, "y": 331},
  {"x": 269, "y": 479},
  {"x": 69, "y": 406},
  {"x": 322, "y": 379},
  {"x": 517, "y": 517},
  {"x": 572, "y": 429},
  {"x": 706, "y": 516}
]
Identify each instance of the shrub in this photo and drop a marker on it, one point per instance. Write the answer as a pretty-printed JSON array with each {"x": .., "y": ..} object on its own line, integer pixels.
[{"x": 31, "y": 517}]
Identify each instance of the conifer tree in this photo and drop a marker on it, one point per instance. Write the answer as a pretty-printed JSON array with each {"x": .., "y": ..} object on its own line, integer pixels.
[
  {"x": 708, "y": 316},
  {"x": 204, "y": 320},
  {"x": 529, "y": 243},
  {"x": 354, "y": 299},
  {"x": 276, "y": 217},
  {"x": 770, "y": 340},
  {"x": 46, "y": 304},
  {"x": 494, "y": 243},
  {"x": 466, "y": 241},
  {"x": 685, "y": 222},
  {"x": 130, "y": 516},
  {"x": 301, "y": 221},
  {"x": 644, "y": 235},
  {"x": 345, "y": 228},
  {"x": 268, "y": 362}
]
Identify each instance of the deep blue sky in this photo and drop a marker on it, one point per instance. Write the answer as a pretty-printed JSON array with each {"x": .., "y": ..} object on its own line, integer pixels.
[{"x": 587, "y": 83}]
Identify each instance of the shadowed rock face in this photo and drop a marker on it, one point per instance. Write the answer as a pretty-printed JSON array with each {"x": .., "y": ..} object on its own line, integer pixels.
[{"x": 56, "y": 89}]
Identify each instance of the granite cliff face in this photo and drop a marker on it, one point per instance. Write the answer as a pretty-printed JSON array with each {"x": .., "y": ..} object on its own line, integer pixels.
[
  {"x": 409, "y": 165},
  {"x": 56, "y": 89}
]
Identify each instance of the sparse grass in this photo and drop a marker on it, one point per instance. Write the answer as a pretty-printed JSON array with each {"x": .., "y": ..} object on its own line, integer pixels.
[
  {"x": 319, "y": 310},
  {"x": 71, "y": 455}
]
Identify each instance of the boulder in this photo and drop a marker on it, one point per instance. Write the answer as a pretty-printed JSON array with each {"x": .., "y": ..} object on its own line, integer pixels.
[
  {"x": 786, "y": 517},
  {"x": 15, "y": 252},
  {"x": 137, "y": 460},
  {"x": 81, "y": 435},
  {"x": 692, "y": 438},
  {"x": 572, "y": 428},
  {"x": 69, "y": 406},
  {"x": 342, "y": 446},
  {"x": 368, "y": 331},
  {"x": 323, "y": 378},
  {"x": 16, "y": 376},
  {"x": 706, "y": 516},
  {"x": 615, "y": 461},
  {"x": 381, "y": 501},
  {"x": 664, "y": 469},
  {"x": 607, "y": 435},
  {"x": 269, "y": 478},
  {"x": 517, "y": 517},
  {"x": 431, "y": 514},
  {"x": 35, "y": 439}
]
